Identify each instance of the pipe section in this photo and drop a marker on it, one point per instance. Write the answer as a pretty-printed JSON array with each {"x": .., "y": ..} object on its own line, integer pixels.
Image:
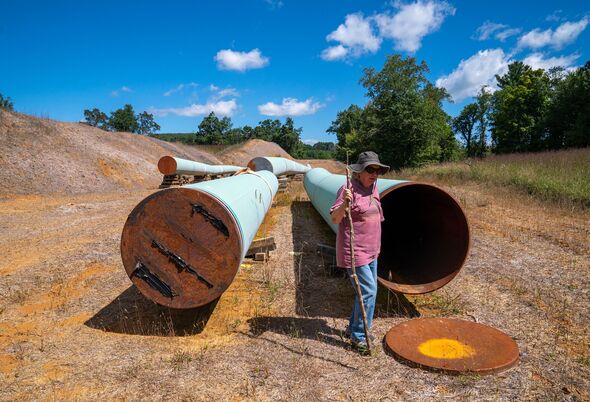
[
  {"x": 168, "y": 165},
  {"x": 182, "y": 247},
  {"x": 425, "y": 235},
  {"x": 279, "y": 166}
]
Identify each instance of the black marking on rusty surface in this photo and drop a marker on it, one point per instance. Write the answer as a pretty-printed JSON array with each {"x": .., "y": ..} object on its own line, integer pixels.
[
  {"x": 181, "y": 265},
  {"x": 212, "y": 219},
  {"x": 142, "y": 272}
]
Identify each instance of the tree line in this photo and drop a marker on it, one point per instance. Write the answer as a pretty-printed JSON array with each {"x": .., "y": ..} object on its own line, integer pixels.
[
  {"x": 532, "y": 110},
  {"x": 215, "y": 131},
  {"x": 123, "y": 119}
]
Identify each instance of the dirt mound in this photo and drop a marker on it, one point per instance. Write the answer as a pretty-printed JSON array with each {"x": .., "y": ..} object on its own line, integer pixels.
[
  {"x": 46, "y": 156},
  {"x": 241, "y": 154},
  {"x": 330, "y": 165}
]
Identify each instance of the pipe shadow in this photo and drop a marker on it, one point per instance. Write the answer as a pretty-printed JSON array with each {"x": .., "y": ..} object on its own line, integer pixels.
[
  {"x": 133, "y": 314},
  {"x": 323, "y": 290},
  {"x": 297, "y": 327},
  {"x": 318, "y": 292}
]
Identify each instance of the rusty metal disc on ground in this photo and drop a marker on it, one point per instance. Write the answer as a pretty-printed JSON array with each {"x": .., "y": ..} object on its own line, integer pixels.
[{"x": 452, "y": 345}]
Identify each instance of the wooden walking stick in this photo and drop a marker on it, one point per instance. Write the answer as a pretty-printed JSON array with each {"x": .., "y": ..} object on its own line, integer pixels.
[{"x": 352, "y": 262}]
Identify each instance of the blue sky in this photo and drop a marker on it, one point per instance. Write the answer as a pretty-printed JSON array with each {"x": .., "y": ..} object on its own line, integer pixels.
[{"x": 258, "y": 59}]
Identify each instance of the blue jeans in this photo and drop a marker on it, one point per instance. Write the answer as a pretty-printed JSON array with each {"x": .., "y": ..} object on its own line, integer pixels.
[{"x": 367, "y": 277}]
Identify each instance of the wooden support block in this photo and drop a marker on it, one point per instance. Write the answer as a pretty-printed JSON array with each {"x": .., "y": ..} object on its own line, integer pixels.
[
  {"x": 261, "y": 245},
  {"x": 260, "y": 257}
]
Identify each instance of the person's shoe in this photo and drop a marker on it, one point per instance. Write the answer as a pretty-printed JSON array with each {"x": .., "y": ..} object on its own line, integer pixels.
[
  {"x": 347, "y": 334},
  {"x": 360, "y": 346}
]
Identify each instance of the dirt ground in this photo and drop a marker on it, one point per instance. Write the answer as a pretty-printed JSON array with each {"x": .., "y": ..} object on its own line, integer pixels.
[{"x": 73, "y": 328}]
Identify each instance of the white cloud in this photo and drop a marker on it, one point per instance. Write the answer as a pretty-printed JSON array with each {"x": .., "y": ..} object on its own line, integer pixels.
[
  {"x": 538, "y": 60},
  {"x": 565, "y": 34},
  {"x": 221, "y": 108},
  {"x": 290, "y": 107},
  {"x": 359, "y": 35},
  {"x": 506, "y": 33},
  {"x": 355, "y": 37},
  {"x": 554, "y": 16},
  {"x": 179, "y": 88},
  {"x": 334, "y": 53},
  {"x": 413, "y": 22},
  {"x": 275, "y": 3},
  {"x": 240, "y": 61},
  {"x": 311, "y": 141},
  {"x": 475, "y": 72},
  {"x": 117, "y": 92},
  {"x": 498, "y": 31}
]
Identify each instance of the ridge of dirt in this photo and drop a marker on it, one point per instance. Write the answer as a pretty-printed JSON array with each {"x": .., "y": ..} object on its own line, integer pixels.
[
  {"x": 241, "y": 154},
  {"x": 40, "y": 156}
]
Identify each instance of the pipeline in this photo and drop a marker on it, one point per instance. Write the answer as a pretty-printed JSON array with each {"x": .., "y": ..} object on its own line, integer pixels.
[
  {"x": 279, "y": 166},
  {"x": 182, "y": 247},
  {"x": 425, "y": 235},
  {"x": 168, "y": 165}
]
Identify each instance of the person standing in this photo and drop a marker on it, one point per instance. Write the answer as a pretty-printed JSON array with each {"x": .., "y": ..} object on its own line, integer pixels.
[{"x": 367, "y": 215}]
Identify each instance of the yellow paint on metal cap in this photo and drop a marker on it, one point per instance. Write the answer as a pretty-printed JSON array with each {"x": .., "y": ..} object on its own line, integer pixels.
[{"x": 444, "y": 348}]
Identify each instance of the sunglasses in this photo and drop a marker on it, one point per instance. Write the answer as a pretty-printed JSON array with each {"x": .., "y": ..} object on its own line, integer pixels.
[{"x": 372, "y": 170}]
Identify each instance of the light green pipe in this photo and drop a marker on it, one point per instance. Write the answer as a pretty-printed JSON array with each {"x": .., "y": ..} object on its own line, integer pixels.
[
  {"x": 425, "y": 235},
  {"x": 279, "y": 166},
  {"x": 248, "y": 196},
  {"x": 169, "y": 165},
  {"x": 182, "y": 247}
]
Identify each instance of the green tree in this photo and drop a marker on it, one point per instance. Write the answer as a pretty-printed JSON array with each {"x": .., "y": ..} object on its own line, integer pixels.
[
  {"x": 464, "y": 125},
  {"x": 267, "y": 130},
  {"x": 519, "y": 111},
  {"x": 146, "y": 123},
  {"x": 6, "y": 103},
  {"x": 568, "y": 118},
  {"x": 404, "y": 121},
  {"x": 288, "y": 137},
  {"x": 124, "y": 120},
  {"x": 212, "y": 130},
  {"x": 96, "y": 118},
  {"x": 347, "y": 124},
  {"x": 483, "y": 101}
]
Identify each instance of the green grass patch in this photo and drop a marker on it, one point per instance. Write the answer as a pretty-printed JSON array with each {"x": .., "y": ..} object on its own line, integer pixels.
[{"x": 558, "y": 176}]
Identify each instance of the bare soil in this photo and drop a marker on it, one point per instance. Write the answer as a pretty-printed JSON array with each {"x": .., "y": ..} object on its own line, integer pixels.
[{"x": 72, "y": 327}]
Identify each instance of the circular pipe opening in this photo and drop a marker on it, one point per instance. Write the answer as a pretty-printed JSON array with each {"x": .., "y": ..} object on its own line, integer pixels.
[
  {"x": 424, "y": 238},
  {"x": 167, "y": 165},
  {"x": 259, "y": 163}
]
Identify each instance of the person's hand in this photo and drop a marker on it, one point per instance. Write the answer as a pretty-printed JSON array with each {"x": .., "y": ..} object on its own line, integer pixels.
[{"x": 347, "y": 196}]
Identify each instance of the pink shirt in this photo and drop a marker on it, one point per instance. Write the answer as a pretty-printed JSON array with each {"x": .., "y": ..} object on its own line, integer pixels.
[{"x": 367, "y": 216}]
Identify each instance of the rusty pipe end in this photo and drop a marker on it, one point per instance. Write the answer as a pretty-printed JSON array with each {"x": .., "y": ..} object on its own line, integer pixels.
[
  {"x": 181, "y": 247},
  {"x": 167, "y": 165},
  {"x": 425, "y": 238}
]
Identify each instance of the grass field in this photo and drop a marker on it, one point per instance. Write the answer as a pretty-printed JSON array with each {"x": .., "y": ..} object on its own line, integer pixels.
[{"x": 561, "y": 176}]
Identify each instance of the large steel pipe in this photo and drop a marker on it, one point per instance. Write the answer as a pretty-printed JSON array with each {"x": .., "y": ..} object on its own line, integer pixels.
[
  {"x": 279, "y": 166},
  {"x": 425, "y": 235},
  {"x": 182, "y": 246},
  {"x": 169, "y": 165}
]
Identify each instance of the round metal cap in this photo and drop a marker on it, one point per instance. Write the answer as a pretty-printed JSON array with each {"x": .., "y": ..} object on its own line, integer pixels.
[
  {"x": 452, "y": 345},
  {"x": 181, "y": 247}
]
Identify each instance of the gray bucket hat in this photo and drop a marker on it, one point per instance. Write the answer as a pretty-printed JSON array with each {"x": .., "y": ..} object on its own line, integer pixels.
[{"x": 366, "y": 159}]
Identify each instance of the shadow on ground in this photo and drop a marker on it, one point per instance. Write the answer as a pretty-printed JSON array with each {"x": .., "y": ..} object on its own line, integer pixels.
[
  {"x": 325, "y": 291},
  {"x": 296, "y": 327},
  {"x": 131, "y": 313}
]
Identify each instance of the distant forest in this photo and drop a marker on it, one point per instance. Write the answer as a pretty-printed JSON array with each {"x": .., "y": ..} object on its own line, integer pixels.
[{"x": 215, "y": 131}]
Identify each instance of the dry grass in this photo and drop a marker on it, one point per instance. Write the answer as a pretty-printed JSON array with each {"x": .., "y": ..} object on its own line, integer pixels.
[
  {"x": 73, "y": 328},
  {"x": 562, "y": 177}
]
